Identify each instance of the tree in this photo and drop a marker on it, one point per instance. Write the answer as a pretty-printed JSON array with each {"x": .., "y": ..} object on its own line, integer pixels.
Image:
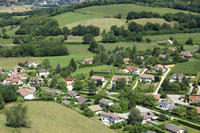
[
  {"x": 1, "y": 101},
  {"x": 163, "y": 117},
  {"x": 120, "y": 84},
  {"x": 119, "y": 16},
  {"x": 134, "y": 116},
  {"x": 93, "y": 47},
  {"x": 148, "y": 40},
  {"x": 65, "y": 37},
  {"x": 46, "y": 64},
  {"x": 88, "y": 112},
  {"x": 189, "y": 41},
  {"x": 61, "y": 84},
  {"x": 92, "y": 87},
  {"x": 88, "y": 38},
  {"x": 91, "y": 73},
  {"x": 101, "y": 94},
  {"x": 58, "y": 68},
  {"x": 73, "y": 64},
  {"x": 78, "y": 85},
  {"x": 118, "y": 61},
  {"x": 54, "y": 80},
  {"x": 17, "y": 116}
]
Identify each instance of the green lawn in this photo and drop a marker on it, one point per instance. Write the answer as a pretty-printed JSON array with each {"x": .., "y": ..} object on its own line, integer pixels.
[
  {"x": 181, "y": 38},
  {"x": 189, "y": 129},
  {"x": 112, "y": 10},
  {"x": 50, "y": 117},
  {"x": 192, "y": 67},
  {"x": 71, "y": 17}
]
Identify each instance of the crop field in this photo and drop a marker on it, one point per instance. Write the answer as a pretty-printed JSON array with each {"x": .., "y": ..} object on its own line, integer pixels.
[
  {"x": 181, "y": 38},
  {"x": 50, "y": 117},
  {"x": 102, "y": 23},
  {"x": 71, "y": 17},
  {"x": 189, "y": 68},
  {"x": 14, "y": 8},
  {"x": 112, "y": 10},
  {"x": 143, "y": 21}
]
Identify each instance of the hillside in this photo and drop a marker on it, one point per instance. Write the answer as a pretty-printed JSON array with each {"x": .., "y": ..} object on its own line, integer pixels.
[{"x": 49, "y": 117}]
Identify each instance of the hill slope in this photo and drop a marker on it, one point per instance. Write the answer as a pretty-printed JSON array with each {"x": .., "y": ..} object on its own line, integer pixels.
[{"x": 49, "y": 117}]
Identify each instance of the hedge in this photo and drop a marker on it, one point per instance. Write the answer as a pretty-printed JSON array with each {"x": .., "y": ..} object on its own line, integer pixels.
[
  {"x": 189, "y": 124},
  {"x": 158, "y": 130}
]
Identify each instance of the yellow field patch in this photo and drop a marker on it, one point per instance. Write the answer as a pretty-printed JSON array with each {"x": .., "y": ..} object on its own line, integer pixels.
[
  {"x": 14, "y": 8},
  {"x": 102, "y": 23}
]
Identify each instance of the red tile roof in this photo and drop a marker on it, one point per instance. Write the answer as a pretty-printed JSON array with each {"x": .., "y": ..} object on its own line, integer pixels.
[
  {"x": 135, "y": 68},
  {"x": 24, "y": 92},
  {"x": 194, "y": 98},
  {"x": 198, "y": 110},
  {"x": 69, "y": 79}
]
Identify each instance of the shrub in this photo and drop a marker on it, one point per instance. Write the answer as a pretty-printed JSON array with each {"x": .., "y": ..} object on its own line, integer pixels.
[{"x": 116, "y": 126}]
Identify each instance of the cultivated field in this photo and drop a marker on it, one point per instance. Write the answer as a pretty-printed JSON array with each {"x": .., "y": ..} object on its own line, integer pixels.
[
  {"x": 71, "y": 17},
  {"x": 187, "y": 68},
  {"x": 112, "y": 10},
  {"x": 14, "y": 8},
  {"x": 50, "y": 117}
]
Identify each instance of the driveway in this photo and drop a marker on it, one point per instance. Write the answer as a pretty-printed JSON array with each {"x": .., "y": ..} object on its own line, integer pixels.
[
  {"x": 175, "y": 99},
  {"x": 137, "y": 80}
]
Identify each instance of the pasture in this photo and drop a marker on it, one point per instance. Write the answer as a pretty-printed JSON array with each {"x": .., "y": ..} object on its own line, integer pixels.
[
  {"x": 189, "y": 68},
  {"x": 50, "y": 117},
  {"x": 112, "y": 10},
  {"x": 71, "y": 17}
]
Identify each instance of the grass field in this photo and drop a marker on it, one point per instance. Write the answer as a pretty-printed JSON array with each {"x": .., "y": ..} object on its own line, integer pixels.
[
  {"x": 112, "y": 10},
  {"x": 15, "y": 8},
  {"x": 181, "y": 38},
  {"x": 143, "y": 21},
  {"x": 189, "y": 129},
  {"x": 192, "y": 67},
  {"x": 50, "y": 117},
  {"x": 102, "y": 23},
  {"x": 71, "y": 17}
]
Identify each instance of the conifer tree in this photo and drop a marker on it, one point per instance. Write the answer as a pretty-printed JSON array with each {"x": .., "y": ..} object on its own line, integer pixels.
[
  {"x": 1, "y": 101},
  {"x": 58, "y": 68},
  {"x": 73, "y": 64}
]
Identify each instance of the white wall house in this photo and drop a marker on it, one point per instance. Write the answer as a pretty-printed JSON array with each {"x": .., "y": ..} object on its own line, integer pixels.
[
  {"x": 146, "y": 77},
  {"x": 43, "y": 72},
  {"x": 111, "y": 118},
  {"x": 26, "y": 93},
  {"x": 32, "y": 64}
]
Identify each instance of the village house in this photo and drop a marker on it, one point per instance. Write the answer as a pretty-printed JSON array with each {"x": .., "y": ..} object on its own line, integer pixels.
[
  {"x": 167, "y": 105},
  {"x": 53, "y": 92},
  {"x": 131, "y": 69},
  {"x": 162, "y": 56},
  {"x": 186, "y": 54},
  {"x": 43, "y": 72},
  {"x": 105, "y": 102},
  {"x": 174, "y": 128},
  {"x": 88, "y": 61},
  {"x": 172, "y": 49},
  {"x": 111, "y": 118},
  {"x": 96, "y": 109},
  {"x": 35, "y": 81},
  {"x": 32, "y": 64},
  {"x": 65, "y": 102},
  {"x": 70, "y": 83},
  {"x": 81, "y": 100},
  {"x": 12, "y": 81},
  {"x": 72, "y": 94},
  {"x": 159, "y": 67},
  {"x": 194, "y": 98},
  {"x": 157, "y": 97},
  {"x": 146, "y": 77},
  {"x": 116, "y": 77},
  {"x": 140, "y": 57},
  {"x": 17, "y": 69},
  {"x": 26, "y": 93},
  {"x": 175, "y": 77},
  {"x": 148, "y": 116},
  {"x": 99, "y": 80},
  {"x": 126, "y": 60},
  {"x": 21, "y": 76}
]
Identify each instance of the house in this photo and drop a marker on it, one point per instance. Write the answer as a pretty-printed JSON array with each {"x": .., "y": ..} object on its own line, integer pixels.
[
  {"x": 131, "y": 69},
  {"x": 116, "y": 77},
  {"x": 186, "y": 54},
  {"x": 17, "y": 69},
  {"x": 157, "y": 96},
  {"x": 99, "y": 80},
  {"x": 140, "y": 57},
  {"x": 159, "y": 67},
  {"x": 174, "y": 77},
  {"x": 111, "y": 118},
  {"x": 34, "y": 80},
  {"x": 43, "y": 72},
  {"x": 65, "y": 102},
  {"x": 70, "y": 83},
  {"x": 162, "y": 56},
  {"x": 26, "y": 93},
  {"x": 32, "y": 64},
  {"x": 96, "y": 109},
  {"x": 174, "y": 128},
  {"x": 88, "y": 61},
  {"x": 198, "y": 110},
  {"x": 72, "y": 94},
  {"x": 171, "y": 49},
  {"x": 105, "y": 102},
  {"x": 12, "y": 81},
  {"x": 82, "y": 100},
  {"x": 53, "y": 92},
  {"x": 194, "y": 98},
  {"x": 148, "y": 116},
  {"x": 126, "y": 60},
  {"x": 22, "y": 76},
  {"x": 168, "y": 105},
  {"x": 146, "y": 77}
]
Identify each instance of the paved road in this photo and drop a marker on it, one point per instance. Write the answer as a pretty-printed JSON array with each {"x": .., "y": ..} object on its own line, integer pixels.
[
  {"x": 137, "y": 80},
  {"x": 162, "y": 79},
  {"x": 191, "y": 89}
]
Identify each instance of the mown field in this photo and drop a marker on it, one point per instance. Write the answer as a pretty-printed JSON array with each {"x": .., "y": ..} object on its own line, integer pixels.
[
  {"x": 15, "y": 8},
  {"x": 50, "y": 117},
  {"x": 189, "y": 68},
  {"x": 112, "y": 10}
]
